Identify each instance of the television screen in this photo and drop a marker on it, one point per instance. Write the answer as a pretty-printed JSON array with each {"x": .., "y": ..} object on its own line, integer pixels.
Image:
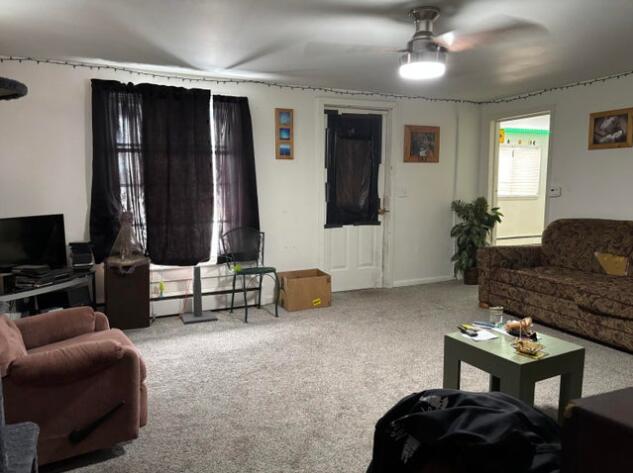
[{"x": 33, "y": 240}]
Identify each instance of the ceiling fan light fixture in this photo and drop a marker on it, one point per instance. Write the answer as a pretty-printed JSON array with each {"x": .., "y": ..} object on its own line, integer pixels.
[
  {"x": 422, "y": 70},
  {"x": 424, "y": 63}
]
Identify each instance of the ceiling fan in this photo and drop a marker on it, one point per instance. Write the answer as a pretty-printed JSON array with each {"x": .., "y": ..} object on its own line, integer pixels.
[{"x": 425, "y": 54}]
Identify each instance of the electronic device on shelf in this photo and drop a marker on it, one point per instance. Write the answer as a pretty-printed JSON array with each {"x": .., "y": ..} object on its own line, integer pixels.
[
  {"x": 81, "y": 256},
  {"x": 30, "y": 276}
]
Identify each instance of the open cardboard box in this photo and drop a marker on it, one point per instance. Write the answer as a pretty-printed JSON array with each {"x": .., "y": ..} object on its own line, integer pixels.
[{"x": 305, "y": 289}]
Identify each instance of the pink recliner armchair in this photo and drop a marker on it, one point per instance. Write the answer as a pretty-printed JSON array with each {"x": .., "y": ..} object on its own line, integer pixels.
[{"x": 79, "y": 381}]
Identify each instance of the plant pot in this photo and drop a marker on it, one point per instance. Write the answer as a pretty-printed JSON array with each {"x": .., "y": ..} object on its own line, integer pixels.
[{"x": 471, "y": 276}]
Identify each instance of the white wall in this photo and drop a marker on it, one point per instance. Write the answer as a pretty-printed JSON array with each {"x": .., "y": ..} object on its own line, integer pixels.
[
  {"x": 594, "y": 183},
  {"x": 46, "y": 152}
]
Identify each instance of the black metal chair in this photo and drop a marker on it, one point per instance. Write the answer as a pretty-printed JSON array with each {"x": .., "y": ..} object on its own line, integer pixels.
[
  {"x": 18, "y": 444},
  {"x": 246, "y": 245}
]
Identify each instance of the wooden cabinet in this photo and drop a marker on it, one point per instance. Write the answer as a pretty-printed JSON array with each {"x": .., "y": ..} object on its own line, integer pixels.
[{"x": 127, "y": 296}]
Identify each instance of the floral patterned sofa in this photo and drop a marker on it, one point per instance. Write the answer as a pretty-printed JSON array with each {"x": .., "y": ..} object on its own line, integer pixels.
[{"x": 561, "y": 283}]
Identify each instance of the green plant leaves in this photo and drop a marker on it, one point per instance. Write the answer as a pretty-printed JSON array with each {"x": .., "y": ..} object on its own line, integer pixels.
[{"x": 472, "y": 232}]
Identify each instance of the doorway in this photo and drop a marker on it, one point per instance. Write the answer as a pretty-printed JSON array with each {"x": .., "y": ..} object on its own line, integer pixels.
[
  {"x": 520, "y": 179},
  {"x": 354, "y": 197}
]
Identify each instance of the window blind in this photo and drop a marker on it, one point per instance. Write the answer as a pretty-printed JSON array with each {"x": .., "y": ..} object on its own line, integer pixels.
[{"x": 519, "y": 171}]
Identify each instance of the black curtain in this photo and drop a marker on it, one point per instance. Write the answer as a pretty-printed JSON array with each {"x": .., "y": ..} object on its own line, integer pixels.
[
  {"x": 152, "y": 156},
  {"x": 117, "y": 163},
  {"x": 234, "y": 165},
  {"x": 178, "y": 174},
  {"x": 353, "y": 155}
]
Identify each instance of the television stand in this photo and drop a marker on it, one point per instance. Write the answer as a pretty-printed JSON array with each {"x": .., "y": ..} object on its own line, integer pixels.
[{"x": 75, "y": 280}]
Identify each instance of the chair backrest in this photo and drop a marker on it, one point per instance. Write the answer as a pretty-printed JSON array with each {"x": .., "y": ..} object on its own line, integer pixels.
[
  {"x": 571, "y": 243},
  {"x": 242, "y": 245}
]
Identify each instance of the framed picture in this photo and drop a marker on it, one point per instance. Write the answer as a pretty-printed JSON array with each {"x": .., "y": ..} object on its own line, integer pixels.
[
  {"x": 284, "y": 133},
  {"x": 612, "y": 129},
  {"x": 421, "y": 144}
]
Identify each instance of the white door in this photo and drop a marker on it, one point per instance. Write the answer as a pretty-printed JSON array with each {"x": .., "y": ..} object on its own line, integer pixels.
[{"x": 354, "y": 253}]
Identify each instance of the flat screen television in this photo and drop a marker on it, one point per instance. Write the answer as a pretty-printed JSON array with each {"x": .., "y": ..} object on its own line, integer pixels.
[{"x": 33, "y": 240}]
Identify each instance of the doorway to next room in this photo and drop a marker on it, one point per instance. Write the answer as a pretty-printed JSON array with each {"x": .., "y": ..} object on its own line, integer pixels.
[{"x": 520, "y": 179}]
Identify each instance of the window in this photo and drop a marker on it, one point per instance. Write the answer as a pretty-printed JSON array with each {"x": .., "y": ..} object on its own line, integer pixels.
[
  {"x": 130, "y": 161},
  {"x": 519, "y": 171}
]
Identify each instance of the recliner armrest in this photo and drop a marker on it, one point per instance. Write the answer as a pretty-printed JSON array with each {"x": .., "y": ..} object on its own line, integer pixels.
[
  {"x": 44, "y": 329},
  {"x": 101, "y": 322},
  {"x": 66, "y": 364}
]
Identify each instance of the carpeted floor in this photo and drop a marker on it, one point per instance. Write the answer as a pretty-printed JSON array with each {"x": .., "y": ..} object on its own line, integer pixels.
[{"x": 302, "y": 393}]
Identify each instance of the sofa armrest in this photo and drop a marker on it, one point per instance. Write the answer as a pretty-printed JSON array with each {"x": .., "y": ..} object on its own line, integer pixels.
[
  {"x": 44, "y": 329},
  {"x": 492, "y": 257},
  {"x": 66, "y": 364}
]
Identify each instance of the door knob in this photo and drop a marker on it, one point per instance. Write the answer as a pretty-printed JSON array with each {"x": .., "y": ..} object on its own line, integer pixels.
[{"x": 382, "y": 211}]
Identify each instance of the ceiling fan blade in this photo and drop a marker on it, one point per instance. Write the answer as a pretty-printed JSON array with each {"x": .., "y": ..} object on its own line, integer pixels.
[
  {"x": 393, "y": 10},
  {"x": 319, "y": 48},
  {"x": 497, "y": 29},
  {"x": 276, "y": 47}
]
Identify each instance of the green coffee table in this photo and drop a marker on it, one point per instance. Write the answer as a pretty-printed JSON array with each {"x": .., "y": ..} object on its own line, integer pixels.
[{"x": 516, "y": 374}]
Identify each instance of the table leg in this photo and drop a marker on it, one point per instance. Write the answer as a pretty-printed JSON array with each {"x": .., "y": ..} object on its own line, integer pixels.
[
  {"x": 518, "y": 387},
  {"x": 570, "y": 387},
  {"x": 452, "y": 369},
  {"x": 495, "y": 383}
]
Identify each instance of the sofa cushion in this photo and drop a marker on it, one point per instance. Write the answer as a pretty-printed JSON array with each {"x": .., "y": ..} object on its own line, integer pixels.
[
  {"x": 571, "y": 243},
  {"x": 586, "y": 324},
  {"x": 113, "y": 334},
  {"x": 598, "y": 293},
  {"x": 11, "y": 343}
]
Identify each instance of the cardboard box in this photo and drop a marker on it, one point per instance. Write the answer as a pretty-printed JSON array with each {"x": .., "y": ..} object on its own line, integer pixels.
[{"x": 305, "y": 289}]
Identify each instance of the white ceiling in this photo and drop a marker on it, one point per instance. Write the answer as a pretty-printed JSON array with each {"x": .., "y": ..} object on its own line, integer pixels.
[{"x": 283, "y": 40}]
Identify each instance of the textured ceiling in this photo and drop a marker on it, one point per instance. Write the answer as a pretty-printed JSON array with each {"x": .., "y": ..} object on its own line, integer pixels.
[{"x": 323, "y": 42}]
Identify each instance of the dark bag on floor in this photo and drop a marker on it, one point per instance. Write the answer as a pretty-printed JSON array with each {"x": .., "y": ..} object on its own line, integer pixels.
[{"x": 465, "y": 432}]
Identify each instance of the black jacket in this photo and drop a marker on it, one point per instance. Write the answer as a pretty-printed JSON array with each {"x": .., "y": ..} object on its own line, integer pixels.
[{"x": 470, "y": 432}]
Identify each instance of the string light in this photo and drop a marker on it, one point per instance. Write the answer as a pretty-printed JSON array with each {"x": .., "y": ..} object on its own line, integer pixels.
[{"x": 353, "y": 93}]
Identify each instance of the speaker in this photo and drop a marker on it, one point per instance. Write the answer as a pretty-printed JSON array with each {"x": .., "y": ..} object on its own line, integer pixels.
[{"x": 81, "y": 256}]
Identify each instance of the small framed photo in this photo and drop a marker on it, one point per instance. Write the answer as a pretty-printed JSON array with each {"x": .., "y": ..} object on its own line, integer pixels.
[
  {"x": 612, "y": 129},
  {"x": 421, "y": 144},
  {"x": 284, "y": 133}
]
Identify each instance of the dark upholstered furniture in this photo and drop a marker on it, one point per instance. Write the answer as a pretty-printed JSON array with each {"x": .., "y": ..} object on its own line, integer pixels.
[
  {"x": 79, "y": 381},
  {"x": 18, "y": 444},
  {"x": 597, "y": 434},
  {"x": 561, "y": 283}
]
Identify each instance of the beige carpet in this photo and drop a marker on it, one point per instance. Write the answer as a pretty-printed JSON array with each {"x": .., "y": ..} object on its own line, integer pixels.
[{"x": 302, "y": 393}]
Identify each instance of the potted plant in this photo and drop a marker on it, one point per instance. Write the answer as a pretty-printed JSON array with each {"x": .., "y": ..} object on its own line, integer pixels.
[{"x": 477, "y": 221}]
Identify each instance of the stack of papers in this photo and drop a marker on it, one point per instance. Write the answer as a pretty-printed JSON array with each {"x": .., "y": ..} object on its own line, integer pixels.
[{"x": 482, "y": 335}]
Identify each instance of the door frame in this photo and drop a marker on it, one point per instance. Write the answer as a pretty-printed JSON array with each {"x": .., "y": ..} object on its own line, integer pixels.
[
  {"x": 493, "y": 157},
  {"x": 388, "y": 110}
]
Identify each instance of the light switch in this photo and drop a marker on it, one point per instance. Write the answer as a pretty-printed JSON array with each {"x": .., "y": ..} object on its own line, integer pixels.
[{"x": 554, "y": 191}]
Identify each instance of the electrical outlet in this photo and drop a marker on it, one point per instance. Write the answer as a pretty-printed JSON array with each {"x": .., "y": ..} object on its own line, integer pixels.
[{"x": 554, "y": 191}]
